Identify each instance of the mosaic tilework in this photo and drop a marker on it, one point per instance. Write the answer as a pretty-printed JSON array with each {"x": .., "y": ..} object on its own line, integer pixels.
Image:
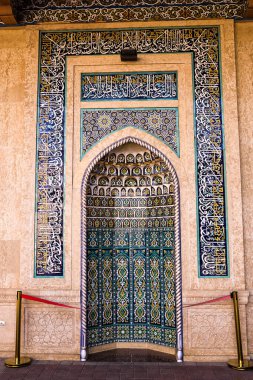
[
  {"x": 91, "y": 11},
  {"x": 130, "y": 251},
  {"x": 209, "y": 145},
  {"x": 160, "y": 122},
  {"x": 129, "y": 86}
]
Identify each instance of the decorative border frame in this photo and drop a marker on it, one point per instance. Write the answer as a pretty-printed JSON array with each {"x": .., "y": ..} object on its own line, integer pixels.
[
  {"x": 178, "y": 270},
  {"x": 111, "y": 11},
  {"x": 204, "y": 44}
]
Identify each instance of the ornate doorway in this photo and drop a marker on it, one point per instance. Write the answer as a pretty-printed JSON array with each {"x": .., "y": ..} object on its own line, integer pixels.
[{"x": 131, "y": 259}]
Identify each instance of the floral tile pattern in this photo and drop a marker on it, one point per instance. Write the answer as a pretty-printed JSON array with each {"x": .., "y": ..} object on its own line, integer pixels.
[{"x": 130, "y": 251}]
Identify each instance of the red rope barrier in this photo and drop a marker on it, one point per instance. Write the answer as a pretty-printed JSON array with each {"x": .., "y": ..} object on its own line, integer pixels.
[
  {"x": 210, "y": 301},
  {"x": 37, "y": 299}
]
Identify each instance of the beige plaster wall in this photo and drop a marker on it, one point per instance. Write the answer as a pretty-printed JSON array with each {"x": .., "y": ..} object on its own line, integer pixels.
[
  {"x": 18, "y": 97},
  {"x": 244, "y": 68},
  {"x": 16, "y": 142}
]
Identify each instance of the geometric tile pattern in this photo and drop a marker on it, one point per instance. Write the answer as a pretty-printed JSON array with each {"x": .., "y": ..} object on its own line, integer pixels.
[
  {"x": 128, "y": 86},
  {"x": 159, "y": 122},
  {"x": 55, "y": 46},
  {"x": 31, "y": 11},
  {"x": 130, "y": 251}
]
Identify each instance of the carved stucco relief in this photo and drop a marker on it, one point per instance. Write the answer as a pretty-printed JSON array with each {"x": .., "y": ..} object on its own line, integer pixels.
[
  {"x": 48, "y": 328},
  {"x": 211, "y": 330}
]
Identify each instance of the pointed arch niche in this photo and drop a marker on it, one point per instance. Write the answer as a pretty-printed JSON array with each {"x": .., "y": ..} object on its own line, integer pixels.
[
  {"x": 131, "y": 288},
  {"x": 78, "y": 170}
]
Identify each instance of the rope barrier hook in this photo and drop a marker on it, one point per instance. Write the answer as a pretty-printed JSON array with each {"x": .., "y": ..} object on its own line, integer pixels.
[{"x": 18, "y": 361}]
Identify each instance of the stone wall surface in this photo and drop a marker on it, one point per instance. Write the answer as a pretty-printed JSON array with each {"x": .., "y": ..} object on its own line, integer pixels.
[
  {"x": 46, "y": 328},
  {"x": 18, "y": 135},
  {"x": 244, "y": 68}
]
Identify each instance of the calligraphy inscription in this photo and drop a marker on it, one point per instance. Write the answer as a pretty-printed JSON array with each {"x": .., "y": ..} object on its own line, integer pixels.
[
  {"x": 209, "y": 145},
  {"x": 129, "y": 86}
]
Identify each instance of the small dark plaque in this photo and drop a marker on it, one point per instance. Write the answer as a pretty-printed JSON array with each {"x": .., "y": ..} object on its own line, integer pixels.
[{"x": 128, "y": 55}]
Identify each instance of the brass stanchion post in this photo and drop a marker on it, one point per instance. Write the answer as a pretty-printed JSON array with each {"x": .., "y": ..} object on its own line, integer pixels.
[
  {"x": 18, "y": 361},
  {"x": 239, "y": 363}
]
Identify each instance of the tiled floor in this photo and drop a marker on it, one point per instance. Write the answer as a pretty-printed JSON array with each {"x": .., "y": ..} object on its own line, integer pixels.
[
  {"x": 131, "y": 355},
  {"x": 150, "y": 366}
]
